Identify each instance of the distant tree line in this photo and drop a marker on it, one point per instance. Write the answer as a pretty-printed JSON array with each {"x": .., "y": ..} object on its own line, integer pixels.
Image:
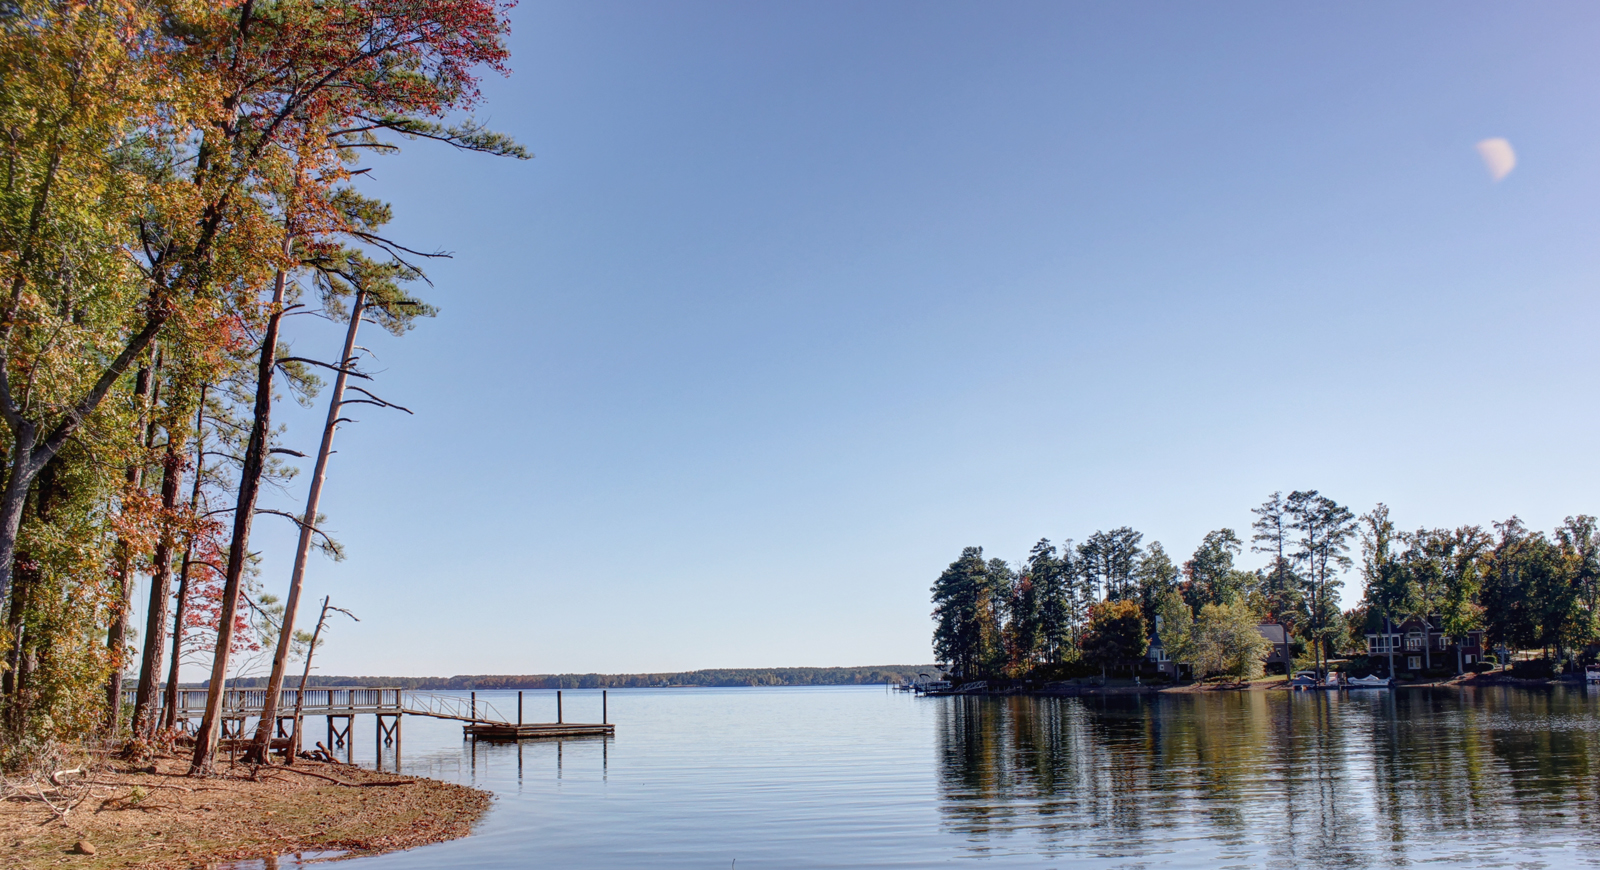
[
  {"x": 713, "y": 677},
  {"x": 1092, "y": 606}
]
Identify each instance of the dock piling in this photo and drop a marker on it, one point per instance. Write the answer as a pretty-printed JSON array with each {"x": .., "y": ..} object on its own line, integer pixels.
[
  {"x": 603, "y": 719},
  {"x": 474, "y": 706},
  {"x": 519, "y": 707},
  {"x": 558, "y": 706}
]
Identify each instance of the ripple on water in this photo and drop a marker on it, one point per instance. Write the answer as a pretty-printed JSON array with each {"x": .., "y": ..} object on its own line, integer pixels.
[{"x": 854, "y": 777}]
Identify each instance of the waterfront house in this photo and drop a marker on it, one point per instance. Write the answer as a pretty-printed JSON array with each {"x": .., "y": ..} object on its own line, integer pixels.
[
  {"x": 1280, "y": 660},
  {"x": 1158, "y": 661},
  {"x": 1417, "y": 640}
]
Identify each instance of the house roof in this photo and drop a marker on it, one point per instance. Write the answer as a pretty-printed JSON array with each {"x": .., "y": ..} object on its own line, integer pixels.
[{"x": 1273, "y": 632}]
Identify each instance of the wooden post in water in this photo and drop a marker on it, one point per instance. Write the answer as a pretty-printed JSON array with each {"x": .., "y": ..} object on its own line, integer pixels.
[
  {"x": 558, "y": 706},
  {"x": 474, "y": 706},
  {"x": 603, "y": 719},
  {"x": 519, "y": 707}
]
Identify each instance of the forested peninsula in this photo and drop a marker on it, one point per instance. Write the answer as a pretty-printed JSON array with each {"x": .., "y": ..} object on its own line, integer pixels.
[{"x": 1098, "y": 607}]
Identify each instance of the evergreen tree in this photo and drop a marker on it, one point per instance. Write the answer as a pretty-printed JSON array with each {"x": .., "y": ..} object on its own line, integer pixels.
[
  {"x": 967, "y": 634},
  {"x": 1210, "y": 572},
  {"x": 1323, "y": 529},
  {"x": 1510, "y": 614},
  {"x": 1107, "y": 561},
  {"x": 1384, "y": 587},
  {"x": 1281, "y": 588},
  {"x": 1154, "y": 577},
  {"x": 1037, "y": 587}
]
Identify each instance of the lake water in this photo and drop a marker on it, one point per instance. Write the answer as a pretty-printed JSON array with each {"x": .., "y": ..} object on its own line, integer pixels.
[{"x": 856, "y": 777}]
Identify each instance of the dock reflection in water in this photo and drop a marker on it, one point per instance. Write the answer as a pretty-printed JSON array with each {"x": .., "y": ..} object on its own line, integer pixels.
[{"x": 847, "y": 777}]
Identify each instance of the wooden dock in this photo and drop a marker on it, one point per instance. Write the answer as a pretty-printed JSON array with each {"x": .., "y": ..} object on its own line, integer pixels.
[
  {"x": 480, "y": 729},
  {"x": 532, "y": 730},
  {"x": 341, "y": 704}
]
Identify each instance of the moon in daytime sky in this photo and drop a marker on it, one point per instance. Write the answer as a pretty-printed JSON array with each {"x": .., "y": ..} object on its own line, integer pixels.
[{"x": 1498, "y": 157}]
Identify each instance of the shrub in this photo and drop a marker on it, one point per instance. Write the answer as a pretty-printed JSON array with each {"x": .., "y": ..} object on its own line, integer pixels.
[
  {"x": 1480, "y": 667},
  {"x": 1534, "y": 669},
  {"x": 1064, "y": 671}
]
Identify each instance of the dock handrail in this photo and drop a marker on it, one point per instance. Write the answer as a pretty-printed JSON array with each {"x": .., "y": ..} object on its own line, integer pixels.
[
  {"x": 469, "y": 709},
  {"x": 340, "y": 701}
]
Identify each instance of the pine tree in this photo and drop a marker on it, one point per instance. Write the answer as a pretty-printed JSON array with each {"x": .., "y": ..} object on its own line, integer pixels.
[{"x": 1210, "y": 572}]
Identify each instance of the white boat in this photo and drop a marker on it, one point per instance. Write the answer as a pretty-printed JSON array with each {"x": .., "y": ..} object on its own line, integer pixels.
[
  {"x": 1591, "y": 675},
  {"x": 1370, "y": 682}
]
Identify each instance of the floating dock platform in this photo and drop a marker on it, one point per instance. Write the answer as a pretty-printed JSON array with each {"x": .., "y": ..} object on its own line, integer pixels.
[{"x": 531, "y": 730}]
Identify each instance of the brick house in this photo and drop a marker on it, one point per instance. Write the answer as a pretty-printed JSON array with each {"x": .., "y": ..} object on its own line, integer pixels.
[{"x": 1416, "y": 640}]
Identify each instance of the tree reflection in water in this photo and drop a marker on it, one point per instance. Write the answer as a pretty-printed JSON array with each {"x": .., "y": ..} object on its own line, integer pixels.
[{"x": 1308, "y": 779}]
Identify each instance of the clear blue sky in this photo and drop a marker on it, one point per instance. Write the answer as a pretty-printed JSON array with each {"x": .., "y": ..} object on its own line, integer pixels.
[{"x": 798, "y": 299}]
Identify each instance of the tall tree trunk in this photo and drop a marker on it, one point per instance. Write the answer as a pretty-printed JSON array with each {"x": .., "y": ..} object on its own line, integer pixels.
[
  {"x": 24, "y": 658},
  {"x": 155, "y": 627},
  {"x": 255, "y": 461},
  {"x": 305, "y": 677},
  {"x": 1427, "y": 643},
  {"x": 117, "y": 636},
  {"x": 259, "y": 751},
  {"x": 180, "y": 610},
  {"x": 1388, "y": 627}
]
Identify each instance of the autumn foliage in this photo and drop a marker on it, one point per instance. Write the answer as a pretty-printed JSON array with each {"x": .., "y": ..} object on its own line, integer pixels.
[{"x": 164, "y": 168}]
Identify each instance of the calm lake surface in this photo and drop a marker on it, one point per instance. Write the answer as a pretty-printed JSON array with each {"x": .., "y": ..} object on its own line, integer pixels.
[{"x": 856, "y": 777}]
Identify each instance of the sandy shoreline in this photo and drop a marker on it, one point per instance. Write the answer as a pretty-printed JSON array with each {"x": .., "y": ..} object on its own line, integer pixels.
[{"x": 150, "y": 815}]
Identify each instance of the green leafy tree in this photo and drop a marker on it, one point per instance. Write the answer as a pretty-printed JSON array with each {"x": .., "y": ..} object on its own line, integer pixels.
[
  {"x": 1558, "y": 602},
  {"x": 1459, "y": 610},
  {"x": 1425, "y": 563},
  {"x": 1579, "y": 541},
  {"x": 1117, "y": 635},
  {"x": 1510, "y": 613},
  {"x": 1226, "y": 642},
  {"x": 1385, "y": 588},
  {"x": 1175, "y": 625}
]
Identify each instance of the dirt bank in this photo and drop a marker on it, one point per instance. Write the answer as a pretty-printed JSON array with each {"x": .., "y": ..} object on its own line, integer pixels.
[{"x": 150, "y": 815}]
